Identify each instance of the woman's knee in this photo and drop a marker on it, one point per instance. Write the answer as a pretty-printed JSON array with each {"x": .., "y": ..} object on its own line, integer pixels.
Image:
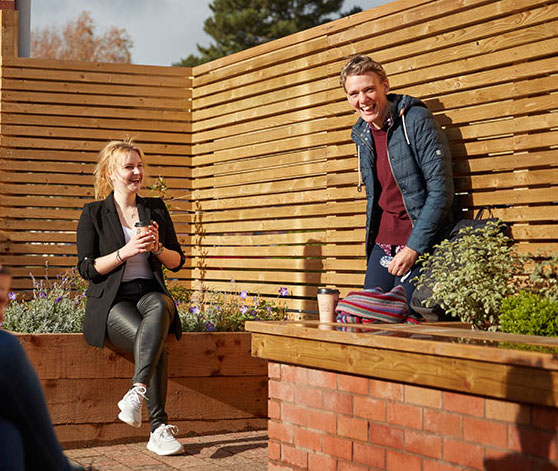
[{"x": 157, "y": 305}]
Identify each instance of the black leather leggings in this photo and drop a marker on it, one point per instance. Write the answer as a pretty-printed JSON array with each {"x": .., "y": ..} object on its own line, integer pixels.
[{"x": 139, "y": 322}]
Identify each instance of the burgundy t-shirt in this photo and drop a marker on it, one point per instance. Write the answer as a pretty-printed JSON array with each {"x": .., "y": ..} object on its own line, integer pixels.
[{"x": 395, "y": 226}]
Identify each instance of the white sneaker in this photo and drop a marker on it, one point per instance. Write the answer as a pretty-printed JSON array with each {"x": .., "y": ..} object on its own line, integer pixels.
[
  {"x": 162, "y": 441},
  {"x": 130, "y": 406}
]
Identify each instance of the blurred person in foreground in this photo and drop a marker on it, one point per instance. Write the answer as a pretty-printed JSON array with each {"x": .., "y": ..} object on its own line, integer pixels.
[
  {"x": 27, "y": 438},
  {"x": 405, "y": 163},
  {"x": 128, "y": 303}
]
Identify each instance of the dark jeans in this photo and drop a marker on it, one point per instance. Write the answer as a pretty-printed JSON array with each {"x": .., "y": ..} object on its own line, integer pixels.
[
  {"x": 27, "y": 438},
  {"x": 139, "y": 322},
  {"x": 378, "y": 276}
]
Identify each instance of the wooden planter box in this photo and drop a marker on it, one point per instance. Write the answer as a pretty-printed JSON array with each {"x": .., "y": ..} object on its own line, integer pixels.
[{"x": 215, "y": 386}]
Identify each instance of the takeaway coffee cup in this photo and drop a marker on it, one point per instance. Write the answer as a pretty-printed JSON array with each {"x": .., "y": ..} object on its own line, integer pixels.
[
  {"x": 141, "y": 227},
  {"x": 327, "y": 301}
]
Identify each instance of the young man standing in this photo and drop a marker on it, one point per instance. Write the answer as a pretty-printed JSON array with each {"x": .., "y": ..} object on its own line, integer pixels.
[{"x": 405, "y": 164}]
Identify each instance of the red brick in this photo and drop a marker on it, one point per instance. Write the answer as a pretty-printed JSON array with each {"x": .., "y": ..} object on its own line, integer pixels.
[
  {"x": 442, "y": 423},
  {"x": 337, "y": 402},
  {"x": 545, "y": 417},
  {"x": 532, "y": 442},
  {"x": 404, "y": 415},
  {"x": 288, "y": 373},
  {"x": 279, "y": 431},
  {"x": 321, "y": 463},
  {"x": 338, "y": 447},
  {"x": 324, "y": 421},
  {"x": 301, "y": 375},
  {"x": 385, "y": 390},
  {"x": 485, "y": 432},
  {"x": 423, "y": 396},
  {"x": 308, "y": 396},
  {"x": 370, "y": 455},
  {"x": 431, "y": 465},
  {"x": 401, "y": 461},
  {"x": 280, "y": 390},
  {"x": 344, "y": 466},
  {"x": 385, "y": 435},
  {"x": 277, "y": 467},
  {"x": 294, "y": 456},
  {"x": 293, "y": 414},
  {"x": 456, "y": 451},
  {"x": 424, "y": 444},
  {"x": 322, "y": 379},
  {"x": 368, "y": 408},
  {"x": 307, "y": 439},
  {"x": 507, "y": 411},
  {"x": 353, "y": 384},
  {"x": 463, "y": 403},
  {"x": 274, "y": 409},
  {"x": 274, "y": 450},
  {"x": 500, "y": 460},
  {"x": 274, "y": 370},
  {"x": 352, "y": 428}
]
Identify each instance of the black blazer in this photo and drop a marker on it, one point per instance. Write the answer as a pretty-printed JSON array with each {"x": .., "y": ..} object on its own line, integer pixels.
[{"x": 99, "y": 233}]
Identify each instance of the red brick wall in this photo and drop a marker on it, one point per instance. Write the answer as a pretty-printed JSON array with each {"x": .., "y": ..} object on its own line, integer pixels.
[
  {"x": 328, "y": 421},
  {"x": 7, "y": 5}
]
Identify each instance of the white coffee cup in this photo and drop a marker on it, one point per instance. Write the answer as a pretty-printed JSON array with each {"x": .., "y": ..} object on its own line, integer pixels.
[{"x": 327, "y": 301}]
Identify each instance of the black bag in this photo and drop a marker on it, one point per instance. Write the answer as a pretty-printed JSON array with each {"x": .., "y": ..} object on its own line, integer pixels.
[{"x": 423, "y": 293}]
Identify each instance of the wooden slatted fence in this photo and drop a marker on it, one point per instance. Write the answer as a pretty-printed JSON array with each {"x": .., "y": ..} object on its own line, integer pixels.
[{"x": 256, "y": 146}]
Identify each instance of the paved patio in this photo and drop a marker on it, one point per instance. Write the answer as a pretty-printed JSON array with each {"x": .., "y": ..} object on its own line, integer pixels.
[{"x": 245, "y": 451}]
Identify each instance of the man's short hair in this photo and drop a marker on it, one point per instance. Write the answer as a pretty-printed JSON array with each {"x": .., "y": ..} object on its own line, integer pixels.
[{"x": 359, "y": 65}]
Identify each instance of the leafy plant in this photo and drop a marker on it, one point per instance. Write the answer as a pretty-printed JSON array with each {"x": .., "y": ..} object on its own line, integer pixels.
[
  {"x": 529, "y": 313},
  {"x": 543, "y": 278},
  {"x": 208, "y": 310},
  {"x": 54, "y": 306},
  {"x": 472, "y": 274}
]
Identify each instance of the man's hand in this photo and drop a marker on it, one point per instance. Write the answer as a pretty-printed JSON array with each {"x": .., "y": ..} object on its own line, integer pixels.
[{"x": 403, "y": 261}]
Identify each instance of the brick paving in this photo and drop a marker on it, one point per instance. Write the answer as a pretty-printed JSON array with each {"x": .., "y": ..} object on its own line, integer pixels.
[{"x": 246, "y": 451}]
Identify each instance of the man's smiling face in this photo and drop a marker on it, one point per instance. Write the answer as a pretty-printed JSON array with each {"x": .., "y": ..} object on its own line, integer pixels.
[{"x": 367, "y": 93}]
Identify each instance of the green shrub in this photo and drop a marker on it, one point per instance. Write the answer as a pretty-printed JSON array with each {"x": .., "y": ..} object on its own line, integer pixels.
[
  {"x": 471, "y": 275},
  {"x": 529, "y": 313},
  {"x": 54, "y": 306},
  {"x": 209, "y": 310},
  {"x": 59, "y": 307}
]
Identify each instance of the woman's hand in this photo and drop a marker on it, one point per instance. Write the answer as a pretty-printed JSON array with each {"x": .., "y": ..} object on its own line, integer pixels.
[{"x": 140, "y": 243}]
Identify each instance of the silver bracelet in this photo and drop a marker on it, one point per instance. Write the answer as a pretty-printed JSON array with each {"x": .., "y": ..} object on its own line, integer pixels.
[
  {"x": 118, "y": 257},
  {"x": 160, "y": 248}
]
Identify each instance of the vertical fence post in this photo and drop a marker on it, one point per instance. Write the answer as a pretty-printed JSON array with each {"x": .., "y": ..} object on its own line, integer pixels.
[{"x": 8, "y": 33}]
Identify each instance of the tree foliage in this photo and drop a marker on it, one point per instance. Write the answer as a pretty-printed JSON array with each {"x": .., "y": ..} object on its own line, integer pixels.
[
  {"x": 77, "y": 40},
  {"x": 241, "y": 24}
]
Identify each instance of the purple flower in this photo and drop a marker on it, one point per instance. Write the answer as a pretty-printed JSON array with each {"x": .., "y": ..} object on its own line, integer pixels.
[
  {"x": 209, "y": 327},
  {"x": 177, "y": 303},
  {"x": 253, "y": 313},
  {"x": 243, "y": 294},
  {"x": 243, "y": 309},
  {"x": 42, "y": 295},
  {"x": 283, "y": 291},
  {"x": 12, "y": 296},
  {"x": 194, "y": 310},
  {"x": 57, "y": 300}
]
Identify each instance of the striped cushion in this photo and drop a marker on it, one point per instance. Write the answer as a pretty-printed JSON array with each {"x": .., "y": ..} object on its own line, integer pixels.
[{"x": 374, "y": 306}]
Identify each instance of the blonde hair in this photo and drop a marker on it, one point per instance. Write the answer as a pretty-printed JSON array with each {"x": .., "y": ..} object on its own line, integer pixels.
[
  {"x": 108, "y": 159},
  {"x": 358, "y": 65}
]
